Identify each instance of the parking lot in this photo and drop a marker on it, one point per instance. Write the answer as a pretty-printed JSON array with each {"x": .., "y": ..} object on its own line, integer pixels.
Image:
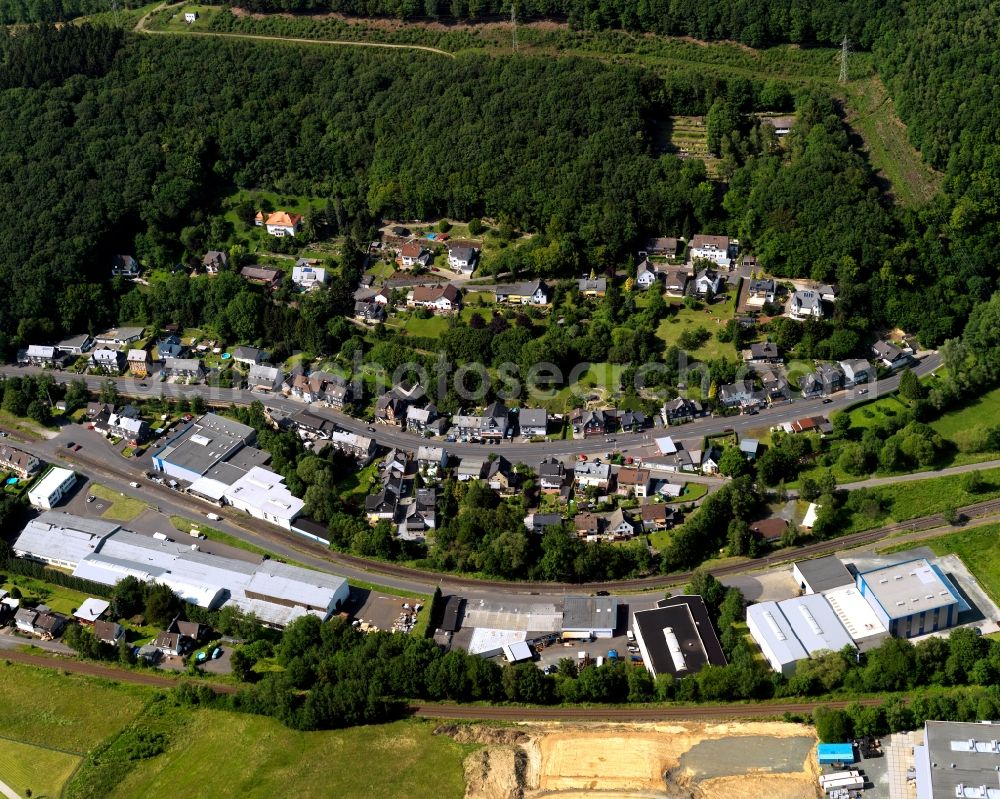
[{"x": 383, "y": 611}]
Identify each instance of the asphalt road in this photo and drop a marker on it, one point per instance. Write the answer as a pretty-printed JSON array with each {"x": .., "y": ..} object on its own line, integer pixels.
[{"x": 516, "y": 452}]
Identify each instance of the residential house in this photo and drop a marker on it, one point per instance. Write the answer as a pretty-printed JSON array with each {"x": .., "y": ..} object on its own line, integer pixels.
[
  {"x": 18, "y": 462},
  {"x": 189, "y": 629},
  {"x": 782, "y": 125},
  {"x": 551, "y": 475},
  {"x": 588, "y": 525},
  {"x": 419, "y": 419},
  {"x": 118, "y": 337},
  {"x": 124, "y": 266},
  {"x": 108, "y": 361},
  {"x": 464, "y": 426},
  {"x": 592, "y": 423},
  {"x": 462, "y": 258},
  {"x": 535, "y": 292},
  {"x": 646, "y": 274},
  {"x": 772, "y": 378},
  {"x": 381, "y": 506},
  {"x": 173, "y": 644},
  {"x": 39, "y": 355},
  {"x": 631, "y": 421},
  {"x": 308, "y": 277},
  {"x": 494, "y": 423},
  {"x": 805, "y": 304},
  {"x": 761, "y": 290},
  {"x": 808, "y": 424},
  {"x": 592, "y": 287},
  {"x": 183, "y": 367},
  {"x": 826, "y": 292},
  {"x": 75, "y": 345},
  {"x": 770, "y": 531},
  {"x": 741, "y": 394},
  {"x": 135, "y": 431},
  {"x": 412, "y": 254},
  {"x": 470, "y": 468},
  {"x": 419, "y": 516},
  {"x": 360, "y": 447},
  {"x": 279, "y": 223},
  {"x": 249, "y": 356},
  {"x": 676, "y": 282},
  {"x": 825, "y": 380},
  {"x": 91, "y": 610},
  {"x": 109, "y": 632},
  {"x": 337, "y": 393},
  {"x": 593, "y": 475},
  {"x": 306, "y": 388},
  {"x": 533, "y": 422},
  {"x": 431, "y": 461},
  {"x": 708, "y": 283},
  {"x": 680, "y": 410},
  {"x": 618, "y": 525},
  {"x": 633, "y": 481},
  {"x": 718, "y": 249},
  {"x": 214, "y": 261},
  {"x": 442, "y": 298},
  {"x": 40, "y": 622},
  {"x": 856, "y": 370},
  {"x": 312, "y": 426},
  {"x": 766, "y": 352},
  {"x": 391, "y": 407},
  {"x": 261, "y": 275},
  {"x": 710, "y": 460},
  {"x": 500, "y": 476},
  {"x": 665, "y": 247},
  {"x": 170, "y": 347},
  {"x": 264, "y": 378},
  {"x": 138, "y": 363},
  {"x": 655, "y": 516},
  {"x": 369, "y": 312},
  {"x": 540, "y": 522},
  {"x": 750, "y": 447},
  {"x": 888, "y": 355}
]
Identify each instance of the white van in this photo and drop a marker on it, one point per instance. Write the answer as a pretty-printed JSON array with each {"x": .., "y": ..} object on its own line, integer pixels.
[{"x": 215, "y": 517}]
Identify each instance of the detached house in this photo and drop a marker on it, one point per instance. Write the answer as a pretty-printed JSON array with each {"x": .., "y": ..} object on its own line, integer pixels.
[
  {"x": 633, "y": 481},
  {"x": 676, "y": 282},
  {"x": 494, "y": 423},
  {"x": 391, "y": 407},
  {"x": 308, "y": 277},
  {"x": 40, "y": 622},
  {"x": 825, "y": 380},
  {"x": 533, "y": 422},
  {"x": 551, "y": 475},
  {"x": 279, "y": 223},
  {"x": 593, "y": 475},
  {"x": 646, "y": 274},
  {"x": 592, "y": 287},
  {"x": 530, "y": 293},
  {"x": 108, "y": 361},
  {"x": 39, "y": 355},
  {"x": 761, "y": 290},
  {"x": 183, "y": 367},
  {"x": 805, "y": 304},
  {"x": 856, "y": 371},
  {"x": 766, "y": 352},
  {"x": 718, "y": 249},
  {"x": 708, "y": 283},
  {"x": 462, "y": 258},
  {"x": 680, "y": 410},
  {"x": 214, "y": 261},
  {"x": 664, "y": 247},
  {"x": 618, "y": 525},
  {"x": 124, "y": 266},
  {"x": 108, "y": 632},
  {"x": 264, "y": 378},
  {"x": 369, "y": 312},
  {"x": 888, "y": 355},
  {"x": 419, "y": 419},
  {"x": 138, "y": 363},
  {"x": 740, "y": 394},
  {"x": 118, "y": 337},
  {"x": 249, "y": 356},
  {"x": 21, "y": 463},
  {"x": 591, "y": 423},
  {"x": 440, "y": 299},
  {"x": 412, "y": 254},
  {"x": 261, "y": 275}
]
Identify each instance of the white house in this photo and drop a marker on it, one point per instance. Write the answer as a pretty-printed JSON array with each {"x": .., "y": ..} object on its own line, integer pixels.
[
  {"x": 718, "y": 249},
  {"x": 707, "y": 283},
  {"x": 280, "y": 223},
  {"x": 440, "y": 299},
  {"x": 531, "y": 293},
  {"x": 265, "y": 378},
  {"x": 805, "y": 304},
  {"x": 856, "y": 371},
  {"x": 51, "y": 488},
  {"x": 413, "y": 254},
  {"x": 462, "y": 258},
  {"x": 308, "y": 277},
  {"x": 646, "y": 274},
  {"x": 889, "y": 355},
  {"x": 190, "y": 16}
]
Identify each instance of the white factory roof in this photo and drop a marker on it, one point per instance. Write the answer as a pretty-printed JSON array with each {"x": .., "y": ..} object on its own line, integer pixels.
[
  {"x": 910, "y": 587},
  {"x": 799, "y": 627},
  {"x": 302, "y": 586},
  {"x": 854, "y": 612},
  {"x": 209, "y": 487},
  {"x": 62, "y": 537},
  {"x": 263, "y": 489}
]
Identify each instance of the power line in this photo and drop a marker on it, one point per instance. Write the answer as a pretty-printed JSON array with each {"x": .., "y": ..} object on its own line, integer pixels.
[{"x": 845, "y": 51}]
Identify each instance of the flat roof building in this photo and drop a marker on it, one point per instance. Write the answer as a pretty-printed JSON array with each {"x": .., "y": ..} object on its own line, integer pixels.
[
  {"x": 517, "y": 652},
  {"x": 958, "y": 759},
  {"x": 61, "y": 539},
  {"x": 820, "y": 574},
  {"x": 589, "y": 616},
  {"x": 51, "y": 488},
  {"x": 911, "y": 598},
  {"x": 201, "y": 445},
  {"x": 796, "y": 629},
  {"x": 857, "y": 616},
  {"x": 263, "y": 494},
  {"x": 677, "y": 637}
]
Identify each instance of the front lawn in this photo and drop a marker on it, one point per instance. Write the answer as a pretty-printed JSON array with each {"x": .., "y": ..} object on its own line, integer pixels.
[
  {"x": 122, "y": 508},
  {"x": 60, "y": 599}
]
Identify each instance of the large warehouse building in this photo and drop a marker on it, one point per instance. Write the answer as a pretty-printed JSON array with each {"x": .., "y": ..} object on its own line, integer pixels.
[
  {"x": 957, "y": 759},
  {"x": 204, "y": 443},
  {"x": 589, "y": 616},
  {"x": 796, "y": 629},
  {"x": 911, "y": 598},
  {"x": 677, "y": 637},
  {"x": 105, "y": 553}
]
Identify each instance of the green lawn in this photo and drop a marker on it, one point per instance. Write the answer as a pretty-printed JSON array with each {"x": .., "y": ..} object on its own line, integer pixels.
[
  {"x": 979, "y": 549},
  {"x": 691, "y": 492},
  {"x": 66, "y": 711},
  {"x": 868, "y": 413},
  {"x": 430, "y": 328},
  {"x": 712, "y": 317},
  {"x": 982, "y": 412},
  {"x": 173, "y": 19},
  {"x": 123, "y": 508},
  {"x": 229, "y": 754},
  {"x": 60, "y": 599},
  {"x": 356, "y": 484},
  {"x": 42, "y": 771}
]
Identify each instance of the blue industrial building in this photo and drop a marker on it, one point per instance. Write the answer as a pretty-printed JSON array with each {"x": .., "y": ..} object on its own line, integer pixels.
[{"x": 912, "y": 598}]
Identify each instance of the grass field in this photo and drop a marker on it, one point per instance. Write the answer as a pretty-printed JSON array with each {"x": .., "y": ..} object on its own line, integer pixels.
[
  {"x": 431, "y": 328},
  {"x": 60, "y": 599},
  {"x": 50, "y": 708},
  {"x": 979, "y": 549},
  {"x": 712, "y": 317},
  {"x": 687, "y": 136},
  {"x": 229, "y": 754},
  {"x": 122, "y": 508},
  {"x": 984, "y": 411},
  {"x": 871, "y": 112},
  {"x": 41, "y": 771}
]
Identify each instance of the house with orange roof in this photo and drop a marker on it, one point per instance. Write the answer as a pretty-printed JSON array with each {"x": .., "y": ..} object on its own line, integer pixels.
[{"x": 279, "y": 223}]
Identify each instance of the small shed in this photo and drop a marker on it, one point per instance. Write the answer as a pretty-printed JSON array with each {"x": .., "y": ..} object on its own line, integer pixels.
[
  {"x": 836, "y": 753},
  {"x": 518, "y": 652},
  {"x": 91, "y": 610}
]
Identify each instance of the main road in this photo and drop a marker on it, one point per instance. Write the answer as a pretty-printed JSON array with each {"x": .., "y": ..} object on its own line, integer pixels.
[{"x": 516, "y": 452}]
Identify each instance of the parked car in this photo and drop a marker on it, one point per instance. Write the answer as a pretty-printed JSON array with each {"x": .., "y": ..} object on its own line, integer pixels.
[
  {"x": 827, "y": 400},
  {"x": 216, "y": 653},
  {"x": 76, "y": 447},
  {"x": 134, "y": 484},
  {"x": 91, "y": 498},
  {"x": 70, "y": 445}
]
